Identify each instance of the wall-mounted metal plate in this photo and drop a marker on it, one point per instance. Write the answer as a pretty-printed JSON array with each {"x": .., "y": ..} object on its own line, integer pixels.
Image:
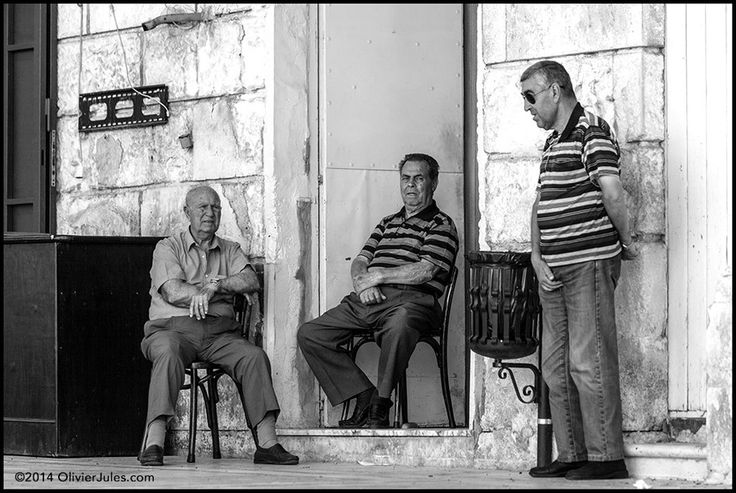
[{"x": 119, "y": 108}]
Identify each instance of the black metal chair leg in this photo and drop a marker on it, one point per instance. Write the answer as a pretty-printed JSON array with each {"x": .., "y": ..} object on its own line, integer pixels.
[
  {"x": 192, "y": 414},
  {"x": 445, "y": 381},
  {"x": 214, "y": 427}
]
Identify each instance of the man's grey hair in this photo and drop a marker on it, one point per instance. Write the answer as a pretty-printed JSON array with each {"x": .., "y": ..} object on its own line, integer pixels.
[
  {"x": 434, "y": 167},
  {"x": 198, "y": 188},
  {"x": 552, "y": 72}
]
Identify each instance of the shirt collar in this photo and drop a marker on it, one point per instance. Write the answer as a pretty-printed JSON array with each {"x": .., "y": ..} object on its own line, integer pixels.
[
  {"x": 426, "y": 214},
  {"x": 577, "y": 112},
  {"x": 189, "y": 240}
]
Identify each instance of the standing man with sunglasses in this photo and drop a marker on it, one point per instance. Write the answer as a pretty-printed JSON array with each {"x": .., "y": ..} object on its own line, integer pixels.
[{"x": 579, "y": 235}]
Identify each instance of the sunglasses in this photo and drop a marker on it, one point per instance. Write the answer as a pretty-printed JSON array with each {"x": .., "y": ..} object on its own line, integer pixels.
[{"x": 530, "y": 96}]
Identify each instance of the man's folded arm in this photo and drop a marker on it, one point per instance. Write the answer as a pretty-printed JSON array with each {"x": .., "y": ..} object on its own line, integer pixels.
[{"x": 180, "y": 293}]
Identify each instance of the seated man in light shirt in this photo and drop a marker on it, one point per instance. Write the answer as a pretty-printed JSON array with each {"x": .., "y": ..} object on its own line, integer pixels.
[{"x": 194, "y": 276}]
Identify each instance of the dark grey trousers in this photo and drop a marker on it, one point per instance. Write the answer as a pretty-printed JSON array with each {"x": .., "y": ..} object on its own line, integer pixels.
[
  {"x": 398, "y": 323},
  {"x": 172, "y": 344}
]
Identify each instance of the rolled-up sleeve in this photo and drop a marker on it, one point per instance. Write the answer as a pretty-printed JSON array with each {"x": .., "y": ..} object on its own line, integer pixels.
[
  {"x": 236, "y": 259},
  {"x": 165, "y": 265},
  {"x": 440, "y": 246},
  {"x": 369, "y": 249}
]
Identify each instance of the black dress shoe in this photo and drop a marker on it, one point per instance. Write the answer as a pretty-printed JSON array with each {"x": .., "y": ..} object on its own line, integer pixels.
[
  {"x": 152, "y": 456},
  {"x": 274, "y": 455},
  {"x": 378, "y": 416},
  {"x": 557, "y": 469},
  {"x": 360, "y": 414},
  {"x": 610, "y": 469}
]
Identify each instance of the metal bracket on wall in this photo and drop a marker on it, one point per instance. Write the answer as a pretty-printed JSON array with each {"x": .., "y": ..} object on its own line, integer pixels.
[{"x": 119, "y": 108}]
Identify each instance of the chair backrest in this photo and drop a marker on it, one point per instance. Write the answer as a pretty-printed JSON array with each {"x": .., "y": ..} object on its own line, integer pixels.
[
  {"x": 251, "y": 315},
  {"x": 447, "y": 302}
]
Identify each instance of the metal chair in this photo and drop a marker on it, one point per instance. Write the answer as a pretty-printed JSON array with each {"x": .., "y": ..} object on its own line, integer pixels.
[
  {"x": 207, "y": 384},
  {"x": 437, "y": 339}
]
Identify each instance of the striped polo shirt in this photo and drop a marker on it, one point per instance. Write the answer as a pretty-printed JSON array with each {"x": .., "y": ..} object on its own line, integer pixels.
[
  {"x": 573, "y": 224},
  {"x": 429, "y": 235}
]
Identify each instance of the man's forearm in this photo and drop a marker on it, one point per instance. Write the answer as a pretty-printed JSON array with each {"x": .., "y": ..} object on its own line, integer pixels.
[
  {"x": 178, "y": 293},
  {"x": 414, "y": 273},
  {"x": 243, "y": 282},
  {"x": 615, "y": 205},
  {"x": 536, "y": 252}
]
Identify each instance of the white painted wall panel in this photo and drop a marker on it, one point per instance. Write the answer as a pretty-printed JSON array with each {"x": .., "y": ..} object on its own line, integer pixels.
[{"x": 391, "y": 80}]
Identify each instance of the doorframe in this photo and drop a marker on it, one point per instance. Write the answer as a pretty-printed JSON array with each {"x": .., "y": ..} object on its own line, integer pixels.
[
  {"x": 470, "y": 176},
  {"x": 470, "y": 167}
]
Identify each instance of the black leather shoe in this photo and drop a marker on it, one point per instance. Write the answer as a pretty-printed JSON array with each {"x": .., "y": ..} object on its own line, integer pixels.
[
  {"x": 378, "y": 415},
  {"x": 557, "y": 469},
  {"x": 152, "y": 456},
  {"x": 611, "y": 469},
  {"x": 360, "y": 414},
  {"x": 274, "y": 455}
]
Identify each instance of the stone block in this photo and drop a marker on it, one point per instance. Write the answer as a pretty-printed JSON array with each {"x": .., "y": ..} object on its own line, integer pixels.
[
  {"x": 493, "y": 34},
  {"x": 170, "y": 57},
  {"x": 642, "y": 176},
  {"x": 719, "y": 336},
  {"x": 507, "y": 128},
  {"x": 228, "y": 137},
  {"x": 639, "y": 95},
  {"x": 653, "y": 24},
  {"x": 109, "y": 214},
  {"x": 509, "y": 185},
  {"x": 232, "y": 55},
  {"x": 67, "y": 74},
  {"x": 103, "y": 66},
  {"x": 68, "y": 17},
  {"x": 720, "y": 433},
  {"x": 543, "y": 31},
  {"x": 245, "y": 199},
  {"x": 641, "y": 322}
]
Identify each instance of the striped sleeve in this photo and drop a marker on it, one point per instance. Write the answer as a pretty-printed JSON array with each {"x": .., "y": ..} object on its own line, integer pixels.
[
  {"x": 440, "y": 246},
  {"x": 600, "y": 151},
  {"x": 369, "y": 249}
]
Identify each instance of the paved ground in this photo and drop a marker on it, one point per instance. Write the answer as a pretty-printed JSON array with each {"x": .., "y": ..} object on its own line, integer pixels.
[{"x": 207, "y": 473}]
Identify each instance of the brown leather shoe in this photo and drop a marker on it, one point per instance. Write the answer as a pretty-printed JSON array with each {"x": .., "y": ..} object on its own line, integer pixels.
[
  {"x": 557, "y": 469},
  {"x": 152, "y": 456},
  {"x": 610, "y": 469}
]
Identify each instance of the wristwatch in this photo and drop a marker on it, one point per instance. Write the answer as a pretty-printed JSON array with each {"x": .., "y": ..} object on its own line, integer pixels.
[{"x": 215, "y": 281}]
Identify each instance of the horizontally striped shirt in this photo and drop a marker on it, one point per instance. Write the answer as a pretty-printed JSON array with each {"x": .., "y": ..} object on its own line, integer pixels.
[
  {"x": 429, "y": 235},
  {"x": 573, "y": 224}
]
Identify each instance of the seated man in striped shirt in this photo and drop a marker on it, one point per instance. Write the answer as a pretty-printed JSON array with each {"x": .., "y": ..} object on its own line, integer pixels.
[
  {"x": 579, "y": 234},
  {"x": 398, "y": 277}
]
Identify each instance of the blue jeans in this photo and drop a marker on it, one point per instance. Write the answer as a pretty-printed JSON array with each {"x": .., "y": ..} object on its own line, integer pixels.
[{"x": 580, "y": 361}]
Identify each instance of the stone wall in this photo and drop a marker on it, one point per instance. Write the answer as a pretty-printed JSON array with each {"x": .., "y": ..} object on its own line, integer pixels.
[
  {"x": 614, "y": 54},
  {"x": 133, "y": 181}
]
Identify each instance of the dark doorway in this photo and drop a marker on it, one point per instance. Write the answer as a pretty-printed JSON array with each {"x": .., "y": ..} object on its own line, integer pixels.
[{"x": 29, "y": 117}]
